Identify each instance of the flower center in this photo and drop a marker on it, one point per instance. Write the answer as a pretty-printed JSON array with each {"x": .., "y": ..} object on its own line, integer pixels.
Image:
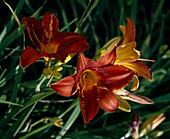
[{"x": 88, "y": 79}]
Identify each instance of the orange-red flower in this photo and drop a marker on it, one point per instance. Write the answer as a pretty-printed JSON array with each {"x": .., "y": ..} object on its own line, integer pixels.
[
  {"x": 95, "y": 81},
  {"x": 128, "y": 56},
  {"x": 50, "y": 42}
]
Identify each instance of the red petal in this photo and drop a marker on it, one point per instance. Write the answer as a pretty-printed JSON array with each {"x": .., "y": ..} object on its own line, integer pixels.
[
  {"x": 65, "y": 87},
  {"x": 130, "y": 31},
  {"x": 84, "y": 63},
  {"x": 50, "y": 24},
  {"x": 35, "y": 30},
  {"x": 139, "y": 68},
  {"x": 88, "y": 103},
  {"x": 108, "y": 58},
  {"x": 29, "y": 56},
  {"x": 66, "y": 43},
  {"x": 115, "y": 77},
  {"x": 107, "y": 100}
]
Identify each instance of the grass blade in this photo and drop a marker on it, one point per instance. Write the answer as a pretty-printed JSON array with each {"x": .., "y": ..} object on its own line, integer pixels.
[
  {"x": 69, "y": 122},
  {"x": 10, "y": 103},
  {"x": 13, "y": 130},
  {"x": 11, "y": 22},
  {"x": 14, "y": 113}
]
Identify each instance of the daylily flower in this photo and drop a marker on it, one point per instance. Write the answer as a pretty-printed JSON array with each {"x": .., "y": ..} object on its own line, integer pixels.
[
  {"x": 94, "y": 82},
  {"x": 128, "y": 56},
  {"x": 50, "y": 42}
]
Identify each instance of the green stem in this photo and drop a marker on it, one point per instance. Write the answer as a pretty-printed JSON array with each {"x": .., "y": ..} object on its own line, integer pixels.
[
  {"x": 71, "y": 107},
  {"x": 82, "y": 17},
  {"x": 51, "y": 78},
  {"x": 37, "y": 89}
]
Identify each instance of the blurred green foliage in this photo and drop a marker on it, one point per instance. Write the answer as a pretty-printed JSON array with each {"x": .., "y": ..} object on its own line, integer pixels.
[{"x": 23, "y": 107}]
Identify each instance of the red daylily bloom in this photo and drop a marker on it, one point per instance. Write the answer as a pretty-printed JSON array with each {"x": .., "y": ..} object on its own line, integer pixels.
[
  {"x": 50, "y": 42},
  {"x": 128, "y": 56},
  {"x": 95, "y": 81},
  {"x": 126, "y": 53}
]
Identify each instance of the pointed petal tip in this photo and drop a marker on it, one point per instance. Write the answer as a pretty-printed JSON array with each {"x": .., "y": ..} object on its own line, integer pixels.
[
  {"x": 28, "y": 56},
  {"x": 130, "y": 33},
  {"x": 66, "y": 86},
  {"x": 81, "y": 55},
  {"x": 24, "y": 18},
  {"x": 135, "y": 84},
  {"x": 50, "y": 24},
  {"x": 150, "y": 74},
  {"x": 151, "y": 102},
  {"x": 88, "y": 102}
]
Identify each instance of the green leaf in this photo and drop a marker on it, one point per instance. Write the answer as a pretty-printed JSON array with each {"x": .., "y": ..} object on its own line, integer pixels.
[
  {"x": 32, "y": 101},
  {"x": 36, "y": 13},
  {"x": 64, "y": 15},
  {"x": 10, "y": 103},
  {"x": 108, "y": 46},
  {"x": 3, "y": 81},
  {"x": 70, "y": 121},
  {"x": 10, "y": 38},
  {"x": 16, "y": 84},
  {"x": 17, "y": 32},
  {"x": 41, "y": 128},
  {"x": 11, "y": 22},
  {"x": 14, "y": 129},
  {"x": 157, "y": 13}
]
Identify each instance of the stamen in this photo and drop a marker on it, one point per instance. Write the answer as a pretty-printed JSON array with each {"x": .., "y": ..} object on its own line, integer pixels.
[
  {"x": 147, "y": 60},
  {"x": 46, "y": 59},
  {"x": 83, "y": 90}
]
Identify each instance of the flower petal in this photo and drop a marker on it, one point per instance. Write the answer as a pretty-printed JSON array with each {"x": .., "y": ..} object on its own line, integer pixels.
[
  {"x": 107, "y": 58},
  {"x": 35, "y": 30},
  {"x": 138, "y": 98},
  {"x": 65, "y": 43},
  {"x": 84, "y": 63},
  {"x": 139, "y": 68},
  {"x": 65, "y": 87},
  {"x": 50, "y": 24},
  {"x": 123, "y": 104},
  {"x": 29, "y": 56},
  {"x": 107, "y": 100},
  {"x": 127, "y": 53},
  {"x": 133, "y": 97},
  {"x": 130, "y": 31},
  {"x": 123, "y": 29},
  {"x": 135, "y": 84},
  {"x": 114, "y": 77},
  {"x": 88, "y": 102}
]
